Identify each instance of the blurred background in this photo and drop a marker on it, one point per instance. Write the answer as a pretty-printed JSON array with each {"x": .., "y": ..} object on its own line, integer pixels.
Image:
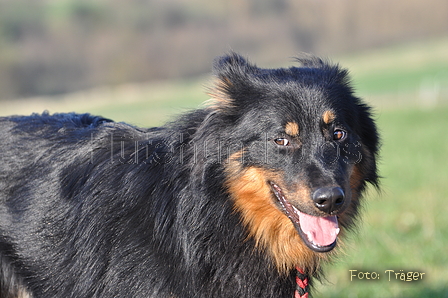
[{"x": 142, "y": 61}]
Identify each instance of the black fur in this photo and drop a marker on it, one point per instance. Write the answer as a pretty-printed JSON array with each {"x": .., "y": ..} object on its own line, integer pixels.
[{"x": 94, "y": 208}]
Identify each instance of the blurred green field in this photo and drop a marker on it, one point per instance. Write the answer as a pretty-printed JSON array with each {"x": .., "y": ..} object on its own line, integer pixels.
[
  {"x": 402, "y": 76},
  {"x": 405, "y": 226}
]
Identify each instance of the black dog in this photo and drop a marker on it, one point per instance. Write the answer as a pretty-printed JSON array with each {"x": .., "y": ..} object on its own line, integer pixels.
[{"x": 242, "y": 198}]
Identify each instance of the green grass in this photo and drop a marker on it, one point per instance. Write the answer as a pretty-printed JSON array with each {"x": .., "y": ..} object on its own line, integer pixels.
[
  {"x": 405, "y": 227},
  {"x": 400, "y": 68},
  {"x": 140, "y": 104},
  {"x": 156, "y": 103},
  {"x": 402, "y": 75}
]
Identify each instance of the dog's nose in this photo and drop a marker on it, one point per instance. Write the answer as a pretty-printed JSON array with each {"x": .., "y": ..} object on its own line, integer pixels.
[{"x": 329, "y": 199}]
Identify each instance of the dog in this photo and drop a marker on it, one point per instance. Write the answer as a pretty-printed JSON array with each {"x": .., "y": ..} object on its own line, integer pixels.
[{"x": 245, "y": 196}]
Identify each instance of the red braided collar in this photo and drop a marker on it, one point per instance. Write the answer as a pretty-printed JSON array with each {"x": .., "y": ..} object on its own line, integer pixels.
[{"x": 302, "y": 284}]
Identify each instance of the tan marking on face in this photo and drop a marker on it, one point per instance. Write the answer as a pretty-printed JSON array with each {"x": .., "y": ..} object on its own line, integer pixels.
[
  {"x": 328, "y": 116},
  {"x": 292, "y": 129},
  {"x": 271, "y": 229}
]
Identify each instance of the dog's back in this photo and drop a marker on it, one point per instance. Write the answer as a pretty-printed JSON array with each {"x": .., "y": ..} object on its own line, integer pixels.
[{"x": 62, "y": 197}]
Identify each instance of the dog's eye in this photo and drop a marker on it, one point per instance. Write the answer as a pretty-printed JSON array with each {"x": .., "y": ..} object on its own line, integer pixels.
[
  {"x": 339, "y": 135},
  {"x": 282, "y": 142}
]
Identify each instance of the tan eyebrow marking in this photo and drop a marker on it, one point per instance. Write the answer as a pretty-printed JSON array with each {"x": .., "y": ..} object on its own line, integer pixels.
[
  {"x": 292, "y": 129},
  {"x": 328, "y": 116}
]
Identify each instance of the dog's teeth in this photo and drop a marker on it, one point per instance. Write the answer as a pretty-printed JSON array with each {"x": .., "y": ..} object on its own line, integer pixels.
[
  {"x": 296, "y": 211},
  {"x": 337, "y": 231},
  {"x": 309, "y": 235}
]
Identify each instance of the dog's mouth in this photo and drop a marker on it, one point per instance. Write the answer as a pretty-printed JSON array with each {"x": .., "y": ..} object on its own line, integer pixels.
[{"x": 318, "y": 233}]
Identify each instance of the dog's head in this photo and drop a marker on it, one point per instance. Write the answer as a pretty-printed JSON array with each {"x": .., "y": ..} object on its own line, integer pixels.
[{"x": 305, "y": 149}]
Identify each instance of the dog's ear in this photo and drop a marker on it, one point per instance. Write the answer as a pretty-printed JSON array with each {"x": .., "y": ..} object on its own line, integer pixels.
[
  {"x": 368, "y": 132},
  {"x": 233, "y": 85},
  {"x": 230, "y": 64}
]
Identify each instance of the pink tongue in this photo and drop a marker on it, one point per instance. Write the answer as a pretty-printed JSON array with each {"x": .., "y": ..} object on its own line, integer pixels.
[{"x": 321, "y": 231}]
